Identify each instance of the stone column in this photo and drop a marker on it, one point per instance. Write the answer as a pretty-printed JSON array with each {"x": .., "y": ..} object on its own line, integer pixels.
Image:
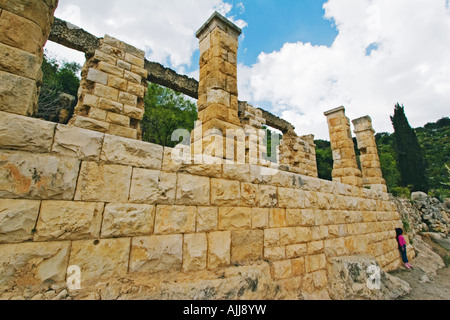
[
  {"x": 218, "y": 93},
  {"x": 24, "y": 29},
  {"x": 370, "y": 162},
  {"x": 345, "y": 167},
  {"x": 112, "y": 89}
]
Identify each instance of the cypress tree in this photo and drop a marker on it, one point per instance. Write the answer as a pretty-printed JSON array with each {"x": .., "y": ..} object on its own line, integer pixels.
[{"x": 410, "y": 160}]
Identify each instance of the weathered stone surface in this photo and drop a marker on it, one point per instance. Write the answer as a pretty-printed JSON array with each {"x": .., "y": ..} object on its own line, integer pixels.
[
  {"x": 234, "y": 218},
  {"x": 219, "y": 249},
  {"x": 260, "y": 218},
  {"x": 33, "y": 263},
  {"x": 68, "y": 220},
  {"x": 249, "y": 194},
  {"x": 175, "y": 219},
  {"x": 127, "y": 220},
  {"x": 156, "y": 253},
  {"x": 268, "y": 196},
  {"x": 207, "y": 219},
  {"x": 247, "y": 245},
  {"x": 37, "y": 176},
  {"x": 131, "y": 152},
  {"x": 107, "y": 183},
  {"x": 153, "y": 186},
  {"x": 17, "y": 94},
  {"x": 20, "y": 33},
  {"x": 17, "y": 219},
  {"x": 225, "y": 192},
  {"x": 195, "y": 250},
  {"x": 193, "y": 190},
  {"x": 99, "y": 259},
  {"x": 348, "y": 279},
  {"x": 19, "y": 62},
  {"x": 76, "y": 142},
  {"x": 277, "y": 218}
]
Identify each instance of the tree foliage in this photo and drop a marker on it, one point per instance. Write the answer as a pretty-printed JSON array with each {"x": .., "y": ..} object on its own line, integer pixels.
[
  {"x": 57, "y": 79},
  {"x": 409, "y": 154},
  {"x": 165, "y": 112}
]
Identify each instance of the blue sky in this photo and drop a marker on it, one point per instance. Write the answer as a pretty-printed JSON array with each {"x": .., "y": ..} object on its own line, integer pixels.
[{"x": 299, "y": 58}]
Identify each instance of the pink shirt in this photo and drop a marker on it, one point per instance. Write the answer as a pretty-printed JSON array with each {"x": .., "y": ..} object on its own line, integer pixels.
[{"x": 401, "y": 240}]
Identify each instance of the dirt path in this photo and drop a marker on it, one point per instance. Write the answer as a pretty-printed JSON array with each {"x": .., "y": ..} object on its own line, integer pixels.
[{"x": 437, "y": 289}]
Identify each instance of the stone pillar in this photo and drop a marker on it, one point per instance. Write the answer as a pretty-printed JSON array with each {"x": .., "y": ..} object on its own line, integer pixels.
[
  {"x": 218, "y": 93},
  {"x": 112, "y": 89},
  {"x": 345, "y": 167},
  {"x": 370, "y": 162},
  {"x": 24, "y": 29}
]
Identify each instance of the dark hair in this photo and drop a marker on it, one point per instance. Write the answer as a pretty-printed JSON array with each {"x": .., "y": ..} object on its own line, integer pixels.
[{"x": 399, "y": 232}]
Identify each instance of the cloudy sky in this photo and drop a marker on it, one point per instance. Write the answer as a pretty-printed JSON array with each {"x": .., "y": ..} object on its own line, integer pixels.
[{"x": 299, "y": 58}]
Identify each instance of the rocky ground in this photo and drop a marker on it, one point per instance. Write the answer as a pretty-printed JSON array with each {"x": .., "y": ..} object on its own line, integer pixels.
[{"x": 430, "y": 276}]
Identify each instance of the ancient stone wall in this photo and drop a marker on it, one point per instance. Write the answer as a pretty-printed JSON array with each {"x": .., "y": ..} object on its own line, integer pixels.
[
  {"x": 118, "y": 208},
  {"x": 24, "y": 29}
]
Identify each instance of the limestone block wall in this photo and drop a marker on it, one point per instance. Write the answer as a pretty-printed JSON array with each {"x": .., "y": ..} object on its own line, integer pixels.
[
  {"x": 24, "y": 29},
  {"x": 299, "y": 154},
  {"x": 118, "y": 207},
  {"x": 113, "y": 85}
]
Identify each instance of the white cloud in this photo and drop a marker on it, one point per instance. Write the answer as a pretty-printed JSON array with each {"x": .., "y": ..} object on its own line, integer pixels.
[
  {"x": 409, "y": 64},
  {"x": 164, "y": 29}
]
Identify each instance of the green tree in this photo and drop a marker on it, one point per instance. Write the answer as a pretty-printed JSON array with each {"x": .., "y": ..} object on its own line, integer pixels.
[
  {"x": 57, "y": 79},
  {"x": 165, "y": 112},
  {"x": 410, "y": 161},
  {"x": 324, "y": 158}
]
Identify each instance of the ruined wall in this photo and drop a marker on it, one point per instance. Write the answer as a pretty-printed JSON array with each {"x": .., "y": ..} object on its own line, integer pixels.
[
  {"x": 24, "y": 29},
  {"x": 136, "y": 221}
]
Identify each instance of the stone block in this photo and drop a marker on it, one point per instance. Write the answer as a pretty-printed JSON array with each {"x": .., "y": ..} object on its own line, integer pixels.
[
  {"x": 195, "y": 248},
  {"x": 110, "y": 105},
  {"x": 260, "y": 218},
  {"x": 268, "y": 196},
  {"x": 20, "y": 33},
  {"x": 277, "y": 218},
  {"x": 100, "y": 259},
  {"x": 19, "y": 62},
  {"x": 303, "y": 234},
  {"x": 247, "y": 245},
  {"x": 117, "y": 83},
  {"x": 125, "y": 151},
  {"x": 175, "y": 219},
  {"x": 234, "y": 218},
  {"x": 133, "y": 113},
  {"x": 110, "y": 69},
  {"x": 17, "y": 219},
  {"x": 40, "y": 12},
  {"x": 156, "y": 253},
  {"x": 124, "y": 132},
  {"x": 37, "y": 176},
  {"x": 193, "y": 190},
  {"x": 136, "y": 89},
  {"x": 275, "y": 253},
  {"x": 102, "y": 56},
  {"x": 281, "y": 269},
  {"x": 249, "y": 194},
  {"x": 298, "y": 266},
  {"x": 136, "y": 61},
  {"x": 225, "y": 192},
  {"x": 296, "y": 250},
  {"x": 91, "y": 124},
  {"x": 219, "y": 249},
  {"x": 103, "y": 182},
  {"x": 97, "y": 76},
  {"x": 77, "y": 142},
  {"x": 132, "y": 77},
  {"x": 103, "y": 91},
  {"x": 315, "y": 262},
  {"x": 127, "y": 98},
  {"x": 68, "y": 220},
  {"x": 153, "y": 187},
  {"x": 127, "y": 220},
  {"x": 118, "y": 119},
  {"x": 97, "y": 114},
  {"x": 33, "y": 263},
  {"x": 207, "y": 219},
  {"x": 17, "y": 94},
  {"x": 23, "y": 133},
  {"x": 239, "y": 172},
  {"x": 271, "y": 237},
  {"x": 293, "y": 217}
]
